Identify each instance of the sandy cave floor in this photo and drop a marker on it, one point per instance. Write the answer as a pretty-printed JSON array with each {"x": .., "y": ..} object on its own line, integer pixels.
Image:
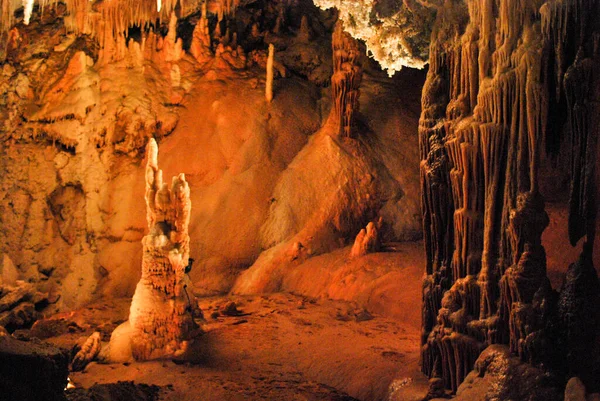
[
  {"x": 287, "y": 346},
  {"x": 282, "y": 347}
]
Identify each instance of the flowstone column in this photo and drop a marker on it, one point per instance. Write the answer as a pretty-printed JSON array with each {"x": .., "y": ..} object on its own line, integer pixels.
[
  {"x": 160, "y": 318},
  {"x": 346, "y": 79}
]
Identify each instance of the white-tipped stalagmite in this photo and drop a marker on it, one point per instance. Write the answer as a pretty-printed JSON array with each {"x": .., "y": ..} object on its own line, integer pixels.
[
  {"x": 160, "y": 320},
  {"x": 269, "y": 86}
]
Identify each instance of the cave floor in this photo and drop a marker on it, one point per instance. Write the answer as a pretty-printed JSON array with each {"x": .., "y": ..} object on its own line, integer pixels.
[{"x": 281, "y": 347}]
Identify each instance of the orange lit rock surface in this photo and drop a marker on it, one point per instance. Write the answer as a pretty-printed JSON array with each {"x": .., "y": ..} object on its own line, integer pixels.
[{"x": 288, "y": 176}]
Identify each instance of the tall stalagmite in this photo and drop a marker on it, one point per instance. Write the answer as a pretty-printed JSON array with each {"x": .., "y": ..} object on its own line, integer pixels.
[
  {"x": 499, "y": 73},
  {"x": 160, "y": 319}
]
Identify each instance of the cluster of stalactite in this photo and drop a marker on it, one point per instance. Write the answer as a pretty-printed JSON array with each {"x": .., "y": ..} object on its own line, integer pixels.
[
  {"x": 346, "y": 78},
  {"x": 500, "y": 73},
  {"x": 161, "y": 309},
  {"x": 108, "y": 21},
  {"x": 86, "y": 16}
]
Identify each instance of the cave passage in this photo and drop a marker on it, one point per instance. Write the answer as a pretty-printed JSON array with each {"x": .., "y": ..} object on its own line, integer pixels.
[{"x": 382, "y": 200}]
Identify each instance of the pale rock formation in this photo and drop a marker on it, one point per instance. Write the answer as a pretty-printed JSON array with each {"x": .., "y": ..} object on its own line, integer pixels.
[
  {"x": 28, "y": 9},
  {"x": 89, "y": 350},
  {"x": 269, "y": 83},
  {"x": 396, "y": 33},
  {"x": 93, "y": 100},
  {"x": 172, "y": 45},
  {"x": 367, "y": 240},
  {"x": 160, "y": 320}
]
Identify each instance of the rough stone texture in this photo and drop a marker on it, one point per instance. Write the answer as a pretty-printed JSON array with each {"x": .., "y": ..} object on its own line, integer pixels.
[
  {"x": 396, "y": 32},
  {"x": 160, "y": 320},
  {"x": 580, "y": 320},
  {"x": 120, "y": 391},
  {"x": 498, "y": 83},
  {"x": 80, "y": 100},
  {"x": 32, "y": 371},
  {"x": 575, "y": 390},
  {"x": 89, "y": 350},
  {"x": 498, "y": 375},
  {"x": 345, "y": 81}
]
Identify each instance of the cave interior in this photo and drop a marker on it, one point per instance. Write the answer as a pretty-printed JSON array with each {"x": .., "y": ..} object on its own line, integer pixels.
[{"x": 299, "y": 200}]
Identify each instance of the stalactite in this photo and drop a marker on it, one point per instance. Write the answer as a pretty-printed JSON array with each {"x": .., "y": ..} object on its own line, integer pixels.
[
  {"x": 485, "y": 111},
  {"x": 106, "y": 20},
  {"x": 200, "y": 47},
  {"x": 28, "y": 9},
  {"x": 345, "y": 81},
  {"x": 269, "y": 83}
]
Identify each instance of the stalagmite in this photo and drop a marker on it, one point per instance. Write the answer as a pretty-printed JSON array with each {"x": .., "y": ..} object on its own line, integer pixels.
[
  {"x": 579, "y": 317},
  {"x": 269, "y": 85},
  {"x": 160, "y": 319},
  {"x": 367, "y": 240},
  {"x": 345, "y": 81}
]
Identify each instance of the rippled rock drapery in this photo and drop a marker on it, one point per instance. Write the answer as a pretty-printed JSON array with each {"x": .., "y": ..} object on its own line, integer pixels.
[
  {"x": 501, "y": 72},
  {"x": 345, "y": 81}
]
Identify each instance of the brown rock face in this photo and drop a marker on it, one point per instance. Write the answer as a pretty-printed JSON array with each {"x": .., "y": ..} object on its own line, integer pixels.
[
  {"x": 160, "y": 319},
  {"x": 500, "y": 376},
  {"x": 500, "y": 79}
]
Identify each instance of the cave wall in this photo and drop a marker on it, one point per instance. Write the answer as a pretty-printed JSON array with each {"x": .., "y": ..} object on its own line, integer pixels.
[
  {"x": 511, "y": 86},
  {"x": 84, "y": 85}
]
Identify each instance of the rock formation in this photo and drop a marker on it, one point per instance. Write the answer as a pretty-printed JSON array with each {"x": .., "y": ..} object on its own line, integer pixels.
[
  {"x": 269, "y": 84},
  {"x": 367, "y": 240},
  {"x": 396, "y": 33},
  {"x": 89, "y": 350},
  {"x": 345, "y": 81},
  {"x": 160, "y": 319},
  {"x": 499, "y": 75},
  {"x": 200, "y": 46}
]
